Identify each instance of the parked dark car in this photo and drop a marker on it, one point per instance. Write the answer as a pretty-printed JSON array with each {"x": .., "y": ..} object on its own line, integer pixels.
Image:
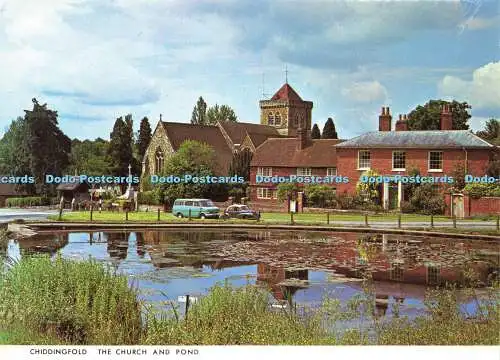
[{"x": 240, "y": 212}]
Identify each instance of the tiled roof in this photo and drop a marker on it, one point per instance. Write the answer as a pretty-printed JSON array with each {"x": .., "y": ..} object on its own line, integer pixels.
[
  {"x": 211, "y": 135},
  {"x": 286, "y": 92},
  {"x": 283, "y": 152},
  {"x": 237, "y": 131},
  {"x": 417, "y": 139}
]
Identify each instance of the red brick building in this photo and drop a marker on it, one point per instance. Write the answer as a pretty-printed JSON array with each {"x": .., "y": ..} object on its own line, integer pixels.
[
  {"x": 388, "y": 152},
  {"x": 435, "y": 153}
]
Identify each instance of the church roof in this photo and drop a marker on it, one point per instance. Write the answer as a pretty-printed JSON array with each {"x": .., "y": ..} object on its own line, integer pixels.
[
  {"x": 286, "y": 92},
  {"x": 283, "y": 152},
  {"x": 179, "y": 132},
  {"x": 237, "y": 131}
]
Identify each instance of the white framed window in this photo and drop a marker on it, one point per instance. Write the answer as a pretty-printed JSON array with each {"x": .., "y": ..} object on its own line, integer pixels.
[
  {"x": 270, "y": 119},
  {"x": 397, "y": 272},
  {"x": 364, "y": 159},
  {"x": 331, "y": 171},
  {"x": 398, "y": 160},
  {"x": 265, "y": 193},
  {"x": 304, "y": 172},
  {"x": 433, "y": 274},
  {"x": 435, "y": 161},
  {"x": 265, "y": 171}
]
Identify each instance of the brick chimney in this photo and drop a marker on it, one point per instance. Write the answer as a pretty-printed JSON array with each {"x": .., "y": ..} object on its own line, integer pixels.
[
  {"x": 303, "y": 138},
  {"x": 446, "y": 118},
  {"x": 402, "y": 123},
  {"x": 384, "y": 120}
]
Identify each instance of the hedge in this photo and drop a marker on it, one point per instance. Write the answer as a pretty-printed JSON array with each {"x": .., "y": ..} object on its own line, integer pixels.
[{"x": 27, "y": 201}]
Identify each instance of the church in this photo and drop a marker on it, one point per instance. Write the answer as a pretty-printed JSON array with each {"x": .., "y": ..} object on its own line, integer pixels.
[{"x": 281, "y": 117}]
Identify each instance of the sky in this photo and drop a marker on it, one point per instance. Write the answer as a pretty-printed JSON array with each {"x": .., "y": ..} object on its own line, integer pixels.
[{"x": 96, "y": 60}]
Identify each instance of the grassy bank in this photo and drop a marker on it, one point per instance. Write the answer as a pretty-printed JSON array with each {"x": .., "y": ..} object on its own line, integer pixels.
[
  {"x": 266, "y": 217},
  {"x": 63, "y": 301}
]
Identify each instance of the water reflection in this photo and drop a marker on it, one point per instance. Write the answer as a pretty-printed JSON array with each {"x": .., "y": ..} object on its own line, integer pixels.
[{"x": 299, "y": 265}]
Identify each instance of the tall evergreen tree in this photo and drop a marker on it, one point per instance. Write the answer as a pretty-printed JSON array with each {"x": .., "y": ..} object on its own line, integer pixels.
[
  {"x": 120, "y": 147},
  {"x": 49, "y": 147},
  {"x": 315, "y": 134},
  {"x": 199, "y": 116},
  {"x": 220, "y": 113},
  {"x": 329, "y": 131},
  {"x": 144, "y": 137},
  {"x": 240, "y": 164}
]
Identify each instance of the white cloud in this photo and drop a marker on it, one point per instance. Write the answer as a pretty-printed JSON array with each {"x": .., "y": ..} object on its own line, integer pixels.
[
  {"x": 365, "y": 92},
  {"x": 482, "y": 91}
]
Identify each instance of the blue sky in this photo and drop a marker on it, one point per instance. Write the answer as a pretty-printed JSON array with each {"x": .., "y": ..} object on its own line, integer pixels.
[{"x": 95, "y": 60}]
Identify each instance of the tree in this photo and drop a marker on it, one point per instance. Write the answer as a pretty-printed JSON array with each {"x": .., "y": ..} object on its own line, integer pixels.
[
  {"x": 491, "y": 132},
  {"x": 315, "y": 134},
  {"x": 329, "y": 131},
  {"x": 49, "y": 148},
  {"x": 428, "y": 117},
  {"x": 14, "y": 152},
  {"x": 287, "y": 191},
  {"x": 193, "y": 158},
  {"x": 120, "y": 147},
  {"x": 89, "y": 157},
  {"x": 319, "y": 195},
  {"x": 220, "y": 113},
  {"x": 199, "y": 116},
  {"x": 144, "y": 137},
  {"x": 369, "y": 191}
]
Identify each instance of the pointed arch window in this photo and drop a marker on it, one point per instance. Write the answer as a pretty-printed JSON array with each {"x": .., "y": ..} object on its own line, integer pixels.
[
  {"x": 159, "y": 161},
  {"x": 270, "y": 119},
  {"x": 277, "y": 119}
]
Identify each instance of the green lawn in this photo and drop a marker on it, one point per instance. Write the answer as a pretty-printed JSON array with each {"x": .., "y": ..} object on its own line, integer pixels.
[{"x": 267, "y": 217}]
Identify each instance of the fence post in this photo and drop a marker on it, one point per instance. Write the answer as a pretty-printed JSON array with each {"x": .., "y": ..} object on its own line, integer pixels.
[
  {"x": 366, "y": 219},
  {"x": 60, "y": 213},
  {"x": 454, "y": 222},
  {"x": 158, "y": 214},
  {"x": 498, "y": 222},
  {"x": 126, "y": 215},
  {"x": 432, "y": 221},
  {"x": 291, "y": 218},
  {"x": 328, "y": 218},
  {"x": 187, "y": 307},
  {"x": 91, "y": 212},
  {"x": 399, "y": 221},
  {"x": 189, "y": 214}
]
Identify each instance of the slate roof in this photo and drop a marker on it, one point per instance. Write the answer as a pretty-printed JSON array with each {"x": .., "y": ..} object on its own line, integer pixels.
[
  {"x": 286, "y": 92},
  {"x": 237, "y": 131},
  {"x": 417, "y": 139},
  {"x": 283, "y": 152},
  {"x": 179, "y": 132}
]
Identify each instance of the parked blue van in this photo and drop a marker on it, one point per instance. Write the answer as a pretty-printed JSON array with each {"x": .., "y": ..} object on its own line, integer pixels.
[{"x": 200, "y": 208}]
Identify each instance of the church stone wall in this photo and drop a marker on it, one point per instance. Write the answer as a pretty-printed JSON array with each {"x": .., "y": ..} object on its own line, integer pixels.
[{"x": 158, "y": 140}]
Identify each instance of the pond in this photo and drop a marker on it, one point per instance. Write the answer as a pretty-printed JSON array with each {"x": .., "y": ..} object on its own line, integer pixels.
[{"x": 307, "y": 265}]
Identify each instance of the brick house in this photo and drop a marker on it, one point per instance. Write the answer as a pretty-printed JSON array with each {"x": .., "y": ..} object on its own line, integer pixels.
[{"x": 434, "y": 153}]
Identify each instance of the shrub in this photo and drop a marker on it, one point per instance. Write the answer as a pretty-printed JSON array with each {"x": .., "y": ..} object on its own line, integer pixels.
[
  {"x": 148, "y": 198},
  {"x": 478, "y": 190},
  {"x": 320, "y": 195},
  {"x": 28, "y": 201},
  {"x": 407, "y": 207},
  {"x": 427, "y": 201},
  {"x": 79, "y": 302},
  {"x": 348, "y": 201}
]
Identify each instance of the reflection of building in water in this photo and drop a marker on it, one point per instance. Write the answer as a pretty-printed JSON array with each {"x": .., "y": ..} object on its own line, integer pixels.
[
  {"x": 140, "y": 244},
  {"x": 117, "y": 244},
  {"x": 44, "y": 243},
  {"x": 275, "y": 279}
]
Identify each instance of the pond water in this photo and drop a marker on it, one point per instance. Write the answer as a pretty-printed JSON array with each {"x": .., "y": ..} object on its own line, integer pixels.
[{"x": 308, "y": 265}]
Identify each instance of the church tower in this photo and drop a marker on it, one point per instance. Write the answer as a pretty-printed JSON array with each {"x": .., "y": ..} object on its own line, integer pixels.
[{"x": 286, "y": 111}]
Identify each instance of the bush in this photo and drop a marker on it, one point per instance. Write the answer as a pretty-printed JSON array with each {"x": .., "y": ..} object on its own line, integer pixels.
[
  {"x": 407, "y": 207},
  {"x": 320, "y": 196},
  {"x": 425, "y": 200},
  {"x": 148, "y": 198},
  {"x": 478, "y": 190},
  {"x": 28, "y": 201},
  {"x": 78, "y": 302}
]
